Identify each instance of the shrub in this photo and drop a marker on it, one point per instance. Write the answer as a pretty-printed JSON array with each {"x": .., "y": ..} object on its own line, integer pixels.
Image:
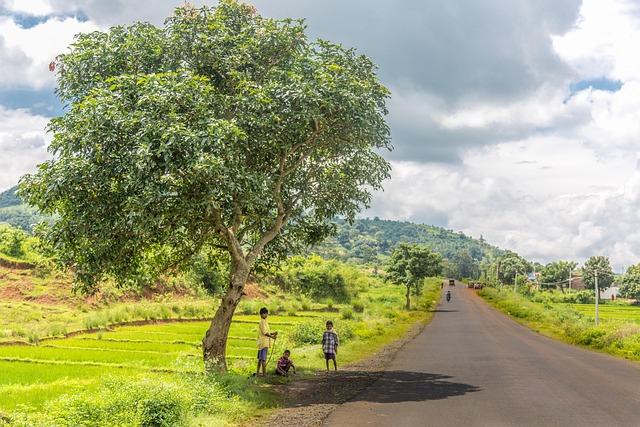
[
  {"x": 307, "y": 333},
  {"x": 347, "y": 314},
  {"x": 249, "y": 307},
  {"x": 144, "y": 403},
  {"x": 306, "y": 304},
  {"x": 209, "y": 269},
  {"x": 358, "y": 306},
  {"x": 161, "y": 410},
  {"x": 314, "y": 277},
  {"x": 345, "y": 331}
]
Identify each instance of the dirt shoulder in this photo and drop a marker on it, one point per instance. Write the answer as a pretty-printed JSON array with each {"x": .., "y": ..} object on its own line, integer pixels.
[{"x": 309, "y": 402}]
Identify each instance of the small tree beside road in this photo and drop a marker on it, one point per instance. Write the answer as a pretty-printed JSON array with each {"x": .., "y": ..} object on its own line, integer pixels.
[
  {"x": 601, "y": 265},
  {"x": 410, "y": 264}
]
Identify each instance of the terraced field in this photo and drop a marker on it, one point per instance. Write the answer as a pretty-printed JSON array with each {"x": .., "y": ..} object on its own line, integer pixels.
[
  {"x": 626, "y": 313},
  {"x": 32, "y": 375}
]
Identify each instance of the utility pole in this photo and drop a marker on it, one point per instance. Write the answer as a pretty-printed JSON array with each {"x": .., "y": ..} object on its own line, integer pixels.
[
  {"x": 515, "y": 283},
  {"x": 570, "y": 271},
  {"x": 597, "y": 297}
]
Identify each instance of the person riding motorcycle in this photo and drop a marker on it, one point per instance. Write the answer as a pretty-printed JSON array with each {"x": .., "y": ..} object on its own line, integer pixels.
[{"x": 448, "y": 296}]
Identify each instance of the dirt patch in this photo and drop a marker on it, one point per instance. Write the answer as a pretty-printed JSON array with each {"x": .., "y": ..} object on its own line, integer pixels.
[
  {"x": 307, "y": 403},
  {"x": 18, "y": 265},
  {"x": 46, "y": 299},
  {"x": 15, "y": 291},
  {"x": 252, "y": 290}
]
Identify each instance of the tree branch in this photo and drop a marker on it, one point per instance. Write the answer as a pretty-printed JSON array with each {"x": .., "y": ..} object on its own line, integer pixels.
[
  {"x": 318, "y": 126},
  {"x": 227, "y": 234},
  {"x": 271, "y": 234}
]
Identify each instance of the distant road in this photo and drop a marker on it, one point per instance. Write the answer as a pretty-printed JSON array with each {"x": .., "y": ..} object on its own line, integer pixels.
[{"x": 473, "y": 366}]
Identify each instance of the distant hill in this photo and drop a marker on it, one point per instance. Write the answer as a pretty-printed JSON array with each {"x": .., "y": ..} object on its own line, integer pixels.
[
  {"x": 369, "y": 240},
  {"x": 16, "y": 213},
  {"x": 9, "y": 198}
]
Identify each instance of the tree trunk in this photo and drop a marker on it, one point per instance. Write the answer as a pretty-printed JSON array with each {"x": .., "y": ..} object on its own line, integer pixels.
[
  {"x": 214, "y": 342},
  {"x": 408, "y": 306}
]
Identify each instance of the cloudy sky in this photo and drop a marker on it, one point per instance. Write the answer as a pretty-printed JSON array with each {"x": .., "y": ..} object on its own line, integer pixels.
[{"x": 515, "y": 119}]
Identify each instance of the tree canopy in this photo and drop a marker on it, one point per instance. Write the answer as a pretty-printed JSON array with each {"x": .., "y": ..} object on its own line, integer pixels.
[
  {"x": 410, "y": 264},
  {"x": 511, "y": 265},
  {"x": 556, "y": 273},
  {"x": 631, "y": 283},
  {"x": 221, "y": 129},
  {"x": 603, "y": 267}
]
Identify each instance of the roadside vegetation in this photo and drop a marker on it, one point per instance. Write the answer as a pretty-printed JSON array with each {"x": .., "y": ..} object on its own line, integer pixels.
[
  {"x": 152, "y": 374},
  {"x": 559, "y": 316}
]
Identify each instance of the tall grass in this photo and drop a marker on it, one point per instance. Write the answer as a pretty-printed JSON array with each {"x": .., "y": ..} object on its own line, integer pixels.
[{"x": 563, "y": 321}]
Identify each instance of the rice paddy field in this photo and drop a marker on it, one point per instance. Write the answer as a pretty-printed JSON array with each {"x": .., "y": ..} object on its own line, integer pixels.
[
  {"x": 614, "y": 312},
  {"x": 31, "y": 375}
]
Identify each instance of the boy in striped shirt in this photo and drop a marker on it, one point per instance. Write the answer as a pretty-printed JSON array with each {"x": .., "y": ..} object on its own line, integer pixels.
[{"x": 330, "y": 345}]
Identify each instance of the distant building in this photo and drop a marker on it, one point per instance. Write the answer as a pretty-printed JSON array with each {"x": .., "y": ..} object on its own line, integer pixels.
[
  {"x": 606, "y": 294},
  {"x": 577, "y": 283}
]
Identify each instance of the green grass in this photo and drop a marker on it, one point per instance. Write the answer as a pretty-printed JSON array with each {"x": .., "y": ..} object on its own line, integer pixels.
[
  {"x": 24, "y": 321},
  {"x": 34, "y": 374},
  {"x": 609, "y": 312}
]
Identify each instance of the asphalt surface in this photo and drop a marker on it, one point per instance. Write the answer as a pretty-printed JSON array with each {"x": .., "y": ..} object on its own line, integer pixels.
[{"x": 473, "y": 366}]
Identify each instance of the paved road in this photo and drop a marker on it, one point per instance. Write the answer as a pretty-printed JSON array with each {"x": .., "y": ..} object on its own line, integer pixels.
[{"x": 473, "y": 366}]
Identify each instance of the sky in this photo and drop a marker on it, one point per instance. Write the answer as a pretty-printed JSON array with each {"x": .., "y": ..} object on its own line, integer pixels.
[{"x": 517, "y": 120}]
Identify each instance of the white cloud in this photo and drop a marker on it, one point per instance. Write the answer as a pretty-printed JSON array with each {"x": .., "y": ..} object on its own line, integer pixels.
[
  {"x": 36, "y": 47},
  {"x": 117, "y": 12},
  {"x": 604, "y": 40},
  {"x": 30, "y": 7},
  {"x": 22, "y": 144}
]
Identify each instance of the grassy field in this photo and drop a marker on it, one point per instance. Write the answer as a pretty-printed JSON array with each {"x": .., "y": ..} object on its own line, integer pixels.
[
  {"x": 615, "y": 312},
  {"x": 32, "y": 375},
  {"x": 120, "y": 376}
]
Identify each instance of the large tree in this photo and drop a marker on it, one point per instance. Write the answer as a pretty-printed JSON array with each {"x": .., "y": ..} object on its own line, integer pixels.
[
  {"x": 462, "y": 264},
  {"x": 511, "y": 265},
  {"x": 556, "y": 273},
  {"x": 630, "y": 287},
  {"x": 410, "y": 264},
  {"x": 601, "y": 265},
  {"x": 222, "y": 129}
]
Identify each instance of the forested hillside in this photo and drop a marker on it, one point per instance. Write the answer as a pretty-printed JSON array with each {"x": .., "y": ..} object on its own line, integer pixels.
[
  {"x": 9, "y": 198},
  {"x": 369, "y": 240},
  {"x": 16, "y": 213}
]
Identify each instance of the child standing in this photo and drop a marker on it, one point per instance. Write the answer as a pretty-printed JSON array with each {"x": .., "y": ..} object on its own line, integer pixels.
[
  {"x": 330, "y": 345},
  {"x": 264, "y": 341},
  {"x": 284, "y": 364}
]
